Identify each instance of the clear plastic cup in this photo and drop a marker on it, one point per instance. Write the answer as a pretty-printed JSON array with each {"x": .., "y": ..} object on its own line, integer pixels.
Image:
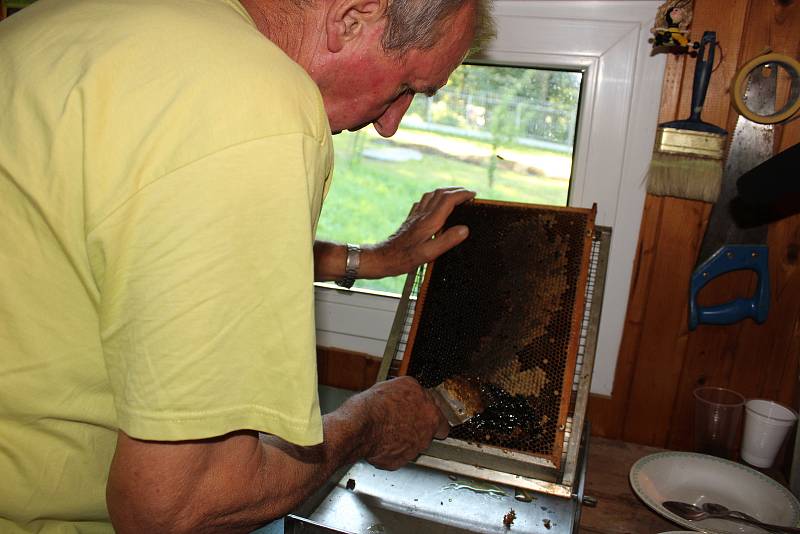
[
  {"x": 766, "y": 424},
  {"x": 717, "y": 415}
]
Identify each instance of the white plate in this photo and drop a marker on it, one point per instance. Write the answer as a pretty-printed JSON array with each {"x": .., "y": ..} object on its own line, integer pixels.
[{"x": 698, "y": 478}]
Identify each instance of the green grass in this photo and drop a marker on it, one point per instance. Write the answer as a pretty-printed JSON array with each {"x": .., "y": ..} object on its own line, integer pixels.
[
  {"x": 424, "y": 136},
  {"x": 369, "y": 199}
]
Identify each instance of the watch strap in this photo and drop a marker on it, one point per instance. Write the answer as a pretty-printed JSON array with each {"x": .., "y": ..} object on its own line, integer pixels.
[{"x": 352, "y": 263}]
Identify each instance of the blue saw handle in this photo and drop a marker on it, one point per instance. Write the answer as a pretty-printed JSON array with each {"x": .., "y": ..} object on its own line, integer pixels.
[{"x": 731, "y": 258}]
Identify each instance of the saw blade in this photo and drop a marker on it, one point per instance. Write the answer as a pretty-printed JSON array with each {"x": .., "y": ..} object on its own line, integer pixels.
[{"x": 751, "y": 145}]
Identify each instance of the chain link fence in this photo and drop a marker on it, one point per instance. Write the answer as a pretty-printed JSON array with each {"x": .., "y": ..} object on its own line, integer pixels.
[{"x": 471, "y": 114}]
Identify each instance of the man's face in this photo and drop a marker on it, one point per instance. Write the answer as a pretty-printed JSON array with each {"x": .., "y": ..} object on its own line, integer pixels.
[{"x": 377, "y": 88}]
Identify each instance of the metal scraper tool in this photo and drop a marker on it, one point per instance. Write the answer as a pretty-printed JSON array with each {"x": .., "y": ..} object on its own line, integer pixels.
[
  {"x": 726, "y": 247},
  {"x": 459, "y": 399}
]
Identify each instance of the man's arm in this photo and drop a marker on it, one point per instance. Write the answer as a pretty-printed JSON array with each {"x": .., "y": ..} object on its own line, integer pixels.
[
  {"x": 236, "y": 483},
  {"x": 410, "y": 246}
]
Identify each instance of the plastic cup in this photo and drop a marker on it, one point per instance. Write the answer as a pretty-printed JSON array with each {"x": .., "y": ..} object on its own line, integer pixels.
[
  {"x": 717, "y": 415},
  {"x": 766, "y": 424}
]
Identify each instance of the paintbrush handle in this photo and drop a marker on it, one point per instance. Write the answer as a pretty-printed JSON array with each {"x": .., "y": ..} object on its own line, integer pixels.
[{"x": 702, "y": 73}]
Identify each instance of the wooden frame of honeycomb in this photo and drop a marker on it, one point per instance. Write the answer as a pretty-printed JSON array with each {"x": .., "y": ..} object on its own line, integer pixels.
[{"x": 504, "y": 309}]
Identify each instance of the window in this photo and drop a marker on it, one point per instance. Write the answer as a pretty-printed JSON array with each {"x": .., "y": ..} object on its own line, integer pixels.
[
  {"x": 606, "y": 41},
  {"x": 505, "y": 132}
]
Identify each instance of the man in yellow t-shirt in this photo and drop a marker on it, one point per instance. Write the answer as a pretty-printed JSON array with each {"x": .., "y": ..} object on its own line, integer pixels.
[{"x": 162, "y": 169}]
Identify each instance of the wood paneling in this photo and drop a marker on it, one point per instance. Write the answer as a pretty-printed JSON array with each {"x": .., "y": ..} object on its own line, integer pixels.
[
  {"x": 660, "y": 361},
  {"x": 347, "y": 370},
  {"x": 663, "y": 330}
]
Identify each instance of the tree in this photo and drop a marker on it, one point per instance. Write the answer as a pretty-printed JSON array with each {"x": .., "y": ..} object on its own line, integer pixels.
[{"x": 502, "y": 127}]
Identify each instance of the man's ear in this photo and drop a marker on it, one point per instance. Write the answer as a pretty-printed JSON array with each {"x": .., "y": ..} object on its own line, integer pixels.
[{"x": 347, "y": 19}]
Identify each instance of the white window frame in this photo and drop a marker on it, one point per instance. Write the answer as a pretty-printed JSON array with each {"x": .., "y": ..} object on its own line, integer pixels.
[{"x": 621, "y": 89}]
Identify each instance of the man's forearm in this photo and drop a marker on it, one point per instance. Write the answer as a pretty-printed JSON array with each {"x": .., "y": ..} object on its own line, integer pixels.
[
  {"x": 309, "y": 467},
  {"x": 235, "y": 483},
  {"x": 231, "y": 484},
  {"x": 329, "y": 261}
]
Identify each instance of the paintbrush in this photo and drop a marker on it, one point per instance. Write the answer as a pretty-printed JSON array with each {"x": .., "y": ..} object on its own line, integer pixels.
[{"x": 687, "y": 160}]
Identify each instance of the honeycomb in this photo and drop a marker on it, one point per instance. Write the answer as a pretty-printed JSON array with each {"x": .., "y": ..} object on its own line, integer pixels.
[{"x": 504, "y": 309}]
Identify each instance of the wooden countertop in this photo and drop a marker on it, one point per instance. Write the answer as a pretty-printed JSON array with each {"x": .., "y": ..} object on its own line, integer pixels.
[{"x": 618, "y": 508}]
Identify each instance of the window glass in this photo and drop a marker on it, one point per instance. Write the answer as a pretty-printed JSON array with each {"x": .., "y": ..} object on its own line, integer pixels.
[{"x": 505, "y": 132}]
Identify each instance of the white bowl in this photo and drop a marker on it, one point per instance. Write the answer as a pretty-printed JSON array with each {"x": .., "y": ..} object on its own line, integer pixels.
[{"x": 699, "y": 478}]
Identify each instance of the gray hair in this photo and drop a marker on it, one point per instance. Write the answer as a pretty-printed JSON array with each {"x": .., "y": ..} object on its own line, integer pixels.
[{"x": 419, "y": 24}]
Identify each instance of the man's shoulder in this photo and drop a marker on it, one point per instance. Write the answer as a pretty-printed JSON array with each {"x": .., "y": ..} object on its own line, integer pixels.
[
  {"x": 198, "y": 33},
  {"x": 215, "y": 44},
  {"x": 209, "y": 56},
  {"x": 208, "y": 37}
]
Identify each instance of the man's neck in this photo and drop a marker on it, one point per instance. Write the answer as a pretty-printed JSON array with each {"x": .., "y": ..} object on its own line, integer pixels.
[{"x": 289, "y": 27}]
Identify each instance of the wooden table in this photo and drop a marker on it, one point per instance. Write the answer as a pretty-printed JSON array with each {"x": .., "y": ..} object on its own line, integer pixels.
[{"x": 618, "y": 508}]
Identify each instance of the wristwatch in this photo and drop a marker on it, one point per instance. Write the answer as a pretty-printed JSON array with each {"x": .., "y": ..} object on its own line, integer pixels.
[{"x": 351, "y": 266}]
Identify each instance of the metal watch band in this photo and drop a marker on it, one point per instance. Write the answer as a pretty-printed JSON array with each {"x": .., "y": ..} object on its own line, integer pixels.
[{"x": 351, "y": 266}]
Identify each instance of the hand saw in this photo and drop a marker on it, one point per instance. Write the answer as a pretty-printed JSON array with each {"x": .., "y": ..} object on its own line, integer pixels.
[{"x": 727, "y": 247}]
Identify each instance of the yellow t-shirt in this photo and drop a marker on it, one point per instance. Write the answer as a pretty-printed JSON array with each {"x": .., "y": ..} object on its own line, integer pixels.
[{"x": 162, "y": 169}]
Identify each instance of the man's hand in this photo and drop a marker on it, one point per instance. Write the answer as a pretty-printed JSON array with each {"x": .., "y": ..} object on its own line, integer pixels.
[
  {"x": 404, "y": 419},
  {"x": 420, "y": 238}
]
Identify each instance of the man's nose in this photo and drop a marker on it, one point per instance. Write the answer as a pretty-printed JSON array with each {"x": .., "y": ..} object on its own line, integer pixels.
[{"x": 386, "y": 125}]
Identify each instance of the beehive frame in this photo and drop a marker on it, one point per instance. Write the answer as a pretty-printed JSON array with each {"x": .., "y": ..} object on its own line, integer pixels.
[{"x": 509, "y": 244}]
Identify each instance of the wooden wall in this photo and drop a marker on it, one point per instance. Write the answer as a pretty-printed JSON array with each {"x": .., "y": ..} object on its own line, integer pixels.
[{"x": 660, "y": 361}]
